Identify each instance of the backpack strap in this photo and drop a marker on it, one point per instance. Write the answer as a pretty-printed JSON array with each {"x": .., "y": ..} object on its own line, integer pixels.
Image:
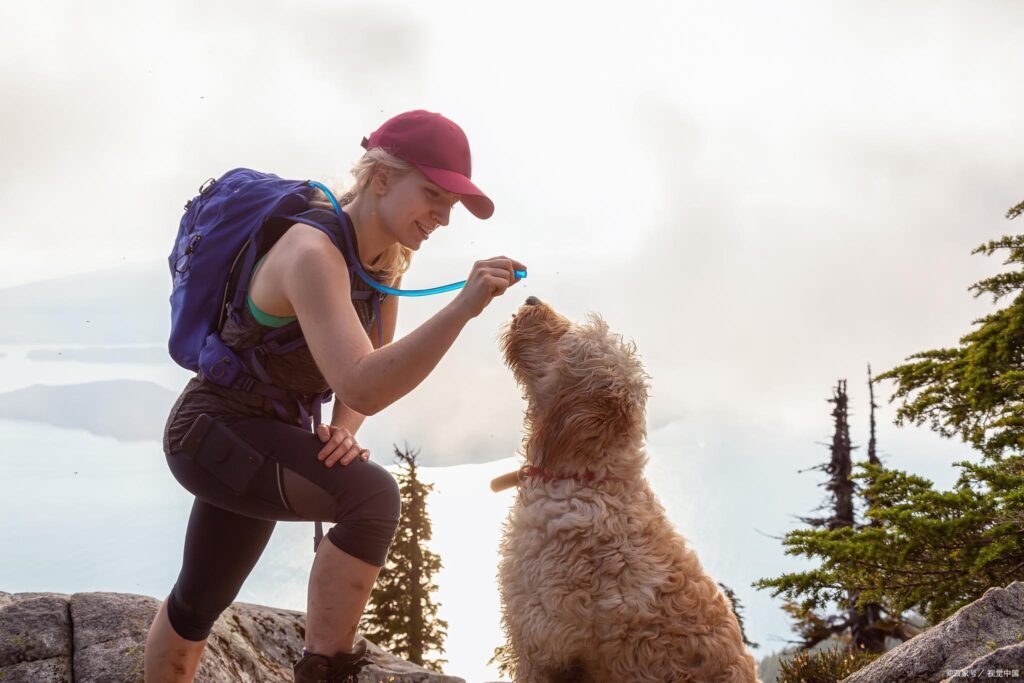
[
  {"x": 244, "y": 372},
  {"x": 343, "y": 237},
  {"x": 247, "y": 373}
]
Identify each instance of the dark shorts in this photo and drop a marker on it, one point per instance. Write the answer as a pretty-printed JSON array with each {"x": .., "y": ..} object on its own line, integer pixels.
[{"x": 228, "y": 530}]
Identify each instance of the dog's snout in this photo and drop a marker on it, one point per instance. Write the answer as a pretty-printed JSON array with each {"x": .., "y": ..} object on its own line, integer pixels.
[{"x": 532, "y": 301}]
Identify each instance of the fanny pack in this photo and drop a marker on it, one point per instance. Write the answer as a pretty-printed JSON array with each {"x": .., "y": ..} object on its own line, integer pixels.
[{"x": 222, "y": 453}]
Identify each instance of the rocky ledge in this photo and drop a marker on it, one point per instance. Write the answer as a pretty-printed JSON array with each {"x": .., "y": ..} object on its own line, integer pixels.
[
  {"x": 983, "y": 641},
  {"x": 99, "y": 637}
]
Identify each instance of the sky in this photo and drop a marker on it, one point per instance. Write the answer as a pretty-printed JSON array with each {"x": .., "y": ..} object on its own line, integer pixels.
[{"x": 765, "y": 197}]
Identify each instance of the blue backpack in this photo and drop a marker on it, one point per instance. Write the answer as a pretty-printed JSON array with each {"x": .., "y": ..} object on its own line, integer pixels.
[{"x": 226, "y": 227}]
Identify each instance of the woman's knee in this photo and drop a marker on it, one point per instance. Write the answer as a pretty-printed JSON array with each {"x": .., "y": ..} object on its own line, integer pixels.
[
  {"x": 193, "y": 617},
  {"x": 366, "y": 527},
  {"x": 375, "y": 494},
  {"x": 389, "y": 495}
]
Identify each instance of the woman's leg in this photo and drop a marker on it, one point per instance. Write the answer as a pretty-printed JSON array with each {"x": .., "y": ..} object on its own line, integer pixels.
[
  {"x": 365, "y": 506},
  {"x": 169, "y": 658},
  {"x": 339, "y": 586},
  {"x": 339, "y": 583},
  {"x": 361, "y": 499},
  {"x": 221, "y": 548}
]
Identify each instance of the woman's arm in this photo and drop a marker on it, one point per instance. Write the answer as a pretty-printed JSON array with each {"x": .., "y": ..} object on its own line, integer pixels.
[
  {"x": 367, "y": 380},
  {"x": 343, "y": 416},
  {"x": 396, "y": 369}
]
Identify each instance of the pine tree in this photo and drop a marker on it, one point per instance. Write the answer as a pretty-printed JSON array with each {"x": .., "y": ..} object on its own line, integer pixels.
[
  {"x": 867, "y": 628},
  {"x": 737, "y": 609},
  {"x": 975, "y": 390},
  {"x": 814, "y": 620},
  {"x": 927, "y": 550},
  {"x": 401, "y": 615},
  {"x": 839, "y": 484},
  {"x": 872, "y": 440}
]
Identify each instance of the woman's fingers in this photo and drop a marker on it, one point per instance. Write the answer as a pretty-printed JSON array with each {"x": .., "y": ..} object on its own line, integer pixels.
[
  {"x": 333, "y": 438},
  {"x": 499, "y": 280},
  {"x": 355, "y": 452},
  {"x": 513, "y": 265},
  {"x": 488, "y": 278},
  {"x": 340, "y": 446},
  {"x": 497, "y": 273},
  {"x": 507, "y": 265},
  {"x": 323, "y": 430},
  {"x": 345, "y": 455}
]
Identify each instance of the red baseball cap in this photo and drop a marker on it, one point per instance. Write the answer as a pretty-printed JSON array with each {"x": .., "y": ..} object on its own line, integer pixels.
[{"x": 438, "y": 148}]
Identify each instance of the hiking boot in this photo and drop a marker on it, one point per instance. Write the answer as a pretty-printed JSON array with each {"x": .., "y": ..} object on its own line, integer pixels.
[{"x": 343, "y": 667}]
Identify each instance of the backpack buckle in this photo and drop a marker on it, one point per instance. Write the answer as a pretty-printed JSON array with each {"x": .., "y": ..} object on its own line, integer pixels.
[
  {"x": 218, "y": 363},
  {"x": 203, "y": 189}
]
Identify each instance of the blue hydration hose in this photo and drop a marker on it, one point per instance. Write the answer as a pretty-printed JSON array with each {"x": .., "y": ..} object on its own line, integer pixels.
[{"x": 520, "y": 274}]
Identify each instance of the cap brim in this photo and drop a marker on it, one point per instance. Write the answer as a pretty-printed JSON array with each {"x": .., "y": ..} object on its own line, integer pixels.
[{"x": 469, "y": 194}]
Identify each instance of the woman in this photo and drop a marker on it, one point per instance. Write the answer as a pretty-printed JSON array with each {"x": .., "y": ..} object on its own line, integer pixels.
[{"x": 415, "y": 169}]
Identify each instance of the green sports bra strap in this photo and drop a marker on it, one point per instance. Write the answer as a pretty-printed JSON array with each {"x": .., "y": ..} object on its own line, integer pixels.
[{"x": 263, "y": 318}]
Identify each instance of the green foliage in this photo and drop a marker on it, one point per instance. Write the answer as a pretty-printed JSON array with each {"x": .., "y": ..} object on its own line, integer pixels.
[
  {"x": 975, "y": 390},
  {"x": 933, "y": 551},
  {"x": 503, "y": 658},
  {"x": 401, "y": 616},
  {"x": 737, "y": 609},
  {"x": 814, "y": 627},
  {"x": 864, "y": 622},
  {"x": 823, "y": 667},
  {"x": 928, "y": 550}
]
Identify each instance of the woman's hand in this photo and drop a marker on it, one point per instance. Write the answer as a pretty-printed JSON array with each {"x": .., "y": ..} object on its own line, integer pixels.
[
  {"x": 340, "y": 446},
  {"x": 487, "y": 280}
]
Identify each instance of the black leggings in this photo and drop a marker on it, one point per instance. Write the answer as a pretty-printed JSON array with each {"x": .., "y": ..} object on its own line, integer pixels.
[{"x": 227, "y": 532}]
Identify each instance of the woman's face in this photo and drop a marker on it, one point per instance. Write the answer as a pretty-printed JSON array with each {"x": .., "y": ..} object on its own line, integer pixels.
[{"x": 412, "y": 207}]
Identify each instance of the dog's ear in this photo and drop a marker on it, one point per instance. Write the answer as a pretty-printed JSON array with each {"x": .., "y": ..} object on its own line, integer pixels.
[
  {"x": 579, "y": 426},
  {"x": 595, "y": 403}
]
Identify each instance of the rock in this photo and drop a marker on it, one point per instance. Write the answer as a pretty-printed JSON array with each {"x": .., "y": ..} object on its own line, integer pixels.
[
  {"x": 100, "y": 638},
  {"x": 982, "y": 637},
  {"x": 35, "y": 638}
]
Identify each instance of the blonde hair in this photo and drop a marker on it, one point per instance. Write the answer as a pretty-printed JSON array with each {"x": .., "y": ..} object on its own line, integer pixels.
[{"x": 396, "y": 259}]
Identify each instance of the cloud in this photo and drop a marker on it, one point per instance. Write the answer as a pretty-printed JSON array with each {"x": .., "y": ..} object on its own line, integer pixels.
[
  {"x": 113, "y": 119},
  {"x": 765, "y": 276}
]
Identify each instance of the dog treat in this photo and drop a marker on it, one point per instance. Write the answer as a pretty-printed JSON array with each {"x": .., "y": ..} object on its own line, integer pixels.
[{"x": 505, "y": 481}]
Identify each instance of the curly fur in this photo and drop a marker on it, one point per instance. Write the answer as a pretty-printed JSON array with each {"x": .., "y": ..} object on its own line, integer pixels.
[{"x": 596, "y": 584}]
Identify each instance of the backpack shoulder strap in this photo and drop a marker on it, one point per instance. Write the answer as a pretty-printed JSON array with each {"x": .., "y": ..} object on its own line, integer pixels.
[{"x": 342, "y": 234}]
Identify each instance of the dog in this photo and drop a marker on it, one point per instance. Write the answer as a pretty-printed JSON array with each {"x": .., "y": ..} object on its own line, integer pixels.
[{"x": 596, "y": 584}]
